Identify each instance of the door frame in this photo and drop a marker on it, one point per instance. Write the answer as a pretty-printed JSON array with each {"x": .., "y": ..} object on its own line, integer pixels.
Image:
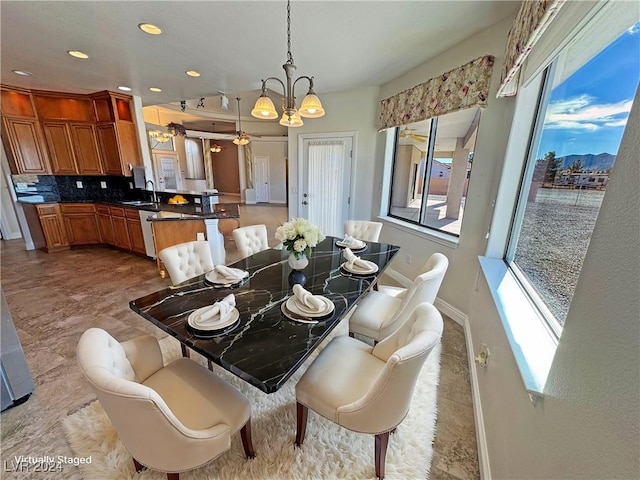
[
  {"x": 255, "y": 177},
  {"x": 353, "y": 135}
]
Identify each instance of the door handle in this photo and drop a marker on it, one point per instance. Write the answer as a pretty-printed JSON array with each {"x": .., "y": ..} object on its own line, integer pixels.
[{"x": 304, "y": 202}]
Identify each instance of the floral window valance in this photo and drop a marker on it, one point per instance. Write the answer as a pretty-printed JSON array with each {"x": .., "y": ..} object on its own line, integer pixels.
[
  {"x": 532, "y": 20},
  {"x": 463, "y": 87}
]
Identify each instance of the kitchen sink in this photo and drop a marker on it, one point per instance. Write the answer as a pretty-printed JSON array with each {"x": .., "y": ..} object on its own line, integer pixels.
[{"x": 138, "y": 203}]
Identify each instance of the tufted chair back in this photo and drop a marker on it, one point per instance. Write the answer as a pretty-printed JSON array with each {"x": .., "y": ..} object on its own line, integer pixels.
[
  {"x": 251, "y": 239},
  {"x": 363, "y": 230},
  {"x": 170, "y": 418},
  {"x": 187, "y": 260},
  {"x": 404, "y": 352},
  {"x": 423, "y": 289}
]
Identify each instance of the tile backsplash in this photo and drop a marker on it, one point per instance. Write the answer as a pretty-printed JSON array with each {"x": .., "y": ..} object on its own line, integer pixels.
[{"x": 72, "y": 188}]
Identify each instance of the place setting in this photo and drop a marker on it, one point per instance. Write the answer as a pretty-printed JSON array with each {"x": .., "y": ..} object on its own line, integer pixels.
[
  {"x": 225, "y": 277},
  {"x": 213, "y": 320},
  {"x": 354, "y": 244},
  {"x": 356, "y": 266},
  {"x": 305, "y": 307}
]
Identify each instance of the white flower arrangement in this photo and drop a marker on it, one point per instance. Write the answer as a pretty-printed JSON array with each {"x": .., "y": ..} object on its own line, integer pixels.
[{"x": 299, "y": 236}]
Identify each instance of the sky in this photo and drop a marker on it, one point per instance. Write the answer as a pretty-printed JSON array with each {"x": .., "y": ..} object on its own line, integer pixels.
[{"x": 588, "y": 111}]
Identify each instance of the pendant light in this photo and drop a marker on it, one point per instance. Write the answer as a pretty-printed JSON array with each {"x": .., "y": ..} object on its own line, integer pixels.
[
  {"x": 242, "y": 138},
  {"x": 311, "y": 106}
]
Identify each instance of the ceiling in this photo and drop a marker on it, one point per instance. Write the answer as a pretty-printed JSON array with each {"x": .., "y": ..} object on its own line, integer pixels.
[{"x": 233, "y": 44}]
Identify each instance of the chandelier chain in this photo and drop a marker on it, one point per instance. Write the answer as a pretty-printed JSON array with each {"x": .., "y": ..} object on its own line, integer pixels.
[{"x": 289, "y": 56}]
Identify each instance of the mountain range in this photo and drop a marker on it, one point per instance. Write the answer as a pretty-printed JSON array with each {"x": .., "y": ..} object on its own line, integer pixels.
[{"x": 590, "y": 162}]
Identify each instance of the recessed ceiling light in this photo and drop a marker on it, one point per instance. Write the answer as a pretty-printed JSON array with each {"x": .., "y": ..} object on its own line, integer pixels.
[
  {"x": 192, "y": 73},
  {"x": 77, "y": 54},
  {"x": 23, "y": 73},
  {"x": 124, "y": 88},
  {"x": 150, "y": 28},
  {"x": 155, "y": 89}
]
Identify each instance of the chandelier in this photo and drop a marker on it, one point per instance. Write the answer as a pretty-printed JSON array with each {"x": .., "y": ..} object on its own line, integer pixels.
[
  {"x": 176, "y": 129},
  {"x": 241, "y": 138},
  {"x": 161, "y": 137},
  {"x": 310, "y": 107}
]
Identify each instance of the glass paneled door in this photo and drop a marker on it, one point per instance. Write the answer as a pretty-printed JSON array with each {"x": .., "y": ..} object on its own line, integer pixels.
[
  {"x": 325, "y": 193},
  {"x": 167, "y": 171}
]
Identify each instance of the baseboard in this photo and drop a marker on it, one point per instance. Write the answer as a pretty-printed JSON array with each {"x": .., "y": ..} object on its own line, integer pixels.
[
  {"x": 398, "y": 277},
  {"x": 481, "y": 437},
  {"x": 278, "y": 202},
  {"x": 450, "y": 311},
  {"x": 250, "y": 202}
]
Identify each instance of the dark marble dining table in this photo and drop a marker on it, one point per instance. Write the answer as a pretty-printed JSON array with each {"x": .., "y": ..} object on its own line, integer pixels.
[{"x": 265, "y": 347}]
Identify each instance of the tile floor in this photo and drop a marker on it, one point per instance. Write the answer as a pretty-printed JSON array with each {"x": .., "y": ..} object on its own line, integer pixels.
[{"x": 53, "y": 298}]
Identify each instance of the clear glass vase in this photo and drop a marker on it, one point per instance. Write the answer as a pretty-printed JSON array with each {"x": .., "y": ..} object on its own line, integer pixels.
[{"x": 298, "y": 263}]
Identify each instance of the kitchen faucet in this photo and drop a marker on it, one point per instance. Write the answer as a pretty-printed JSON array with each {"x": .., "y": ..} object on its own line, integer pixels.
[{"x": 153, "y": 189}]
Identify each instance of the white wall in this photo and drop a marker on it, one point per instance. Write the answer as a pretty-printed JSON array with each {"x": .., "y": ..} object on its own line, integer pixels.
[
  {"x": 347, "y": 111},
  {"x": 276, "y": 150},
  {"x": 588, "y": 424},
  {"x": 9, "y": 220},
  {"x": 491, "y": 142}
]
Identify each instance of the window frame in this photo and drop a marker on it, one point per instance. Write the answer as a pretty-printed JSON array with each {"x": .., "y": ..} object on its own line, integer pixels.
[
  {"x": 529, "y": 163},
  {"x": 419, "y": 225}
]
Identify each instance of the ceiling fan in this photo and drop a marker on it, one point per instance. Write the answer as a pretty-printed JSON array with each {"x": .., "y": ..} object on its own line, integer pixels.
[{"x": 407, "y": 132}]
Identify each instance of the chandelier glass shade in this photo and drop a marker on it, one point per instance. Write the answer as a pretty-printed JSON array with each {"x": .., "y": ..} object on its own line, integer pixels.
[
  {"x": 158, "y": 136},
  {"x": 215, "y": 148},
  {"x": 311, "y": 106}
]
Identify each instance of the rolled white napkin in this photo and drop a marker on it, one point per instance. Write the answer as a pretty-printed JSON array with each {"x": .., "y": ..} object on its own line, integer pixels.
[
  {"x": 354, "y": 262},
  {"x": 216, "y": 313},
  {"x": 230, "y": 274},
  {"x": 308, "y": 299},
  {"x": 350, "y": 241}
]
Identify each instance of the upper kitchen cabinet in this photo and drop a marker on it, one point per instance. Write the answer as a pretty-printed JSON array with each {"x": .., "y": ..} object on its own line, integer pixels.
[
  {"x": 21, "y": 133},
  {"x": 73, "y": 148},
  {"x": 63, "y": 106},
  {"x": 117, "y": 134}
]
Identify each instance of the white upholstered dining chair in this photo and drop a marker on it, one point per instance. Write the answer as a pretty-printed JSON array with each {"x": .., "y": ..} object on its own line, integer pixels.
[
  {"x": 251, "y": 239},
  {"x": 380, "y": 312},
  {"x": 363, "y": 230},
  {"x": 368, "y": 389},
  {"x": 171, "y": 418},
  {"x": 187, "y": 260}
]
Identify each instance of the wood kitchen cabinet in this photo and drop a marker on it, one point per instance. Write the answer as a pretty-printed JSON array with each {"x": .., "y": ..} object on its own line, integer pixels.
[
  {"x": 85, "y": 147},
  {"x": 58, "y": 138},
  {"x": 81, "y": 222},
  {"x": 73, "y": 148},
  {"x": 24, "y": 146},
  {"x": 106, "y": 225},
  {"x": 134, "y": 226},
  {"x": 55, "y": 233},
  {"x": 120, "y": 229},
  {"x": 117, "y": 132}
]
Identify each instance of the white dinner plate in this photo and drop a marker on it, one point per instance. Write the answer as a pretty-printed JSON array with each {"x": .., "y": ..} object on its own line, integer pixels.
[
  {"x": 216, "y": 279},
  {"x": 373, "y": 268},
  {"x": 353, "y": 249},
  {"x": 297, "y": 307},
  {"x": 213, "y": 326}
]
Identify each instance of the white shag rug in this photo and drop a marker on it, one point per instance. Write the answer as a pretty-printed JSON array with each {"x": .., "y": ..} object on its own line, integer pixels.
[{"x": 328, "y": 452}]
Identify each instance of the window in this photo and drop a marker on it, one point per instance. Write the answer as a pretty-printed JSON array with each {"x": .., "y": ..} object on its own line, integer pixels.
[
  {"x": 431, "y": 170},
  {"x": 583, "y": 110}
]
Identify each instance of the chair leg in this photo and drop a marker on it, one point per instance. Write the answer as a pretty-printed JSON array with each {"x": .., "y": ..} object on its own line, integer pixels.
[
  {"x": 302, "y": 412},
  {"x": 352, "y": 335},
  {"x": 185, "y": 351},
  {"x": 173, "y": 476},
  {"x": 382, "y": 440},
  {"x": 245, "y": 434},
  {"x": 209, "y": 364},
  {"x": 139, "y": 467}
]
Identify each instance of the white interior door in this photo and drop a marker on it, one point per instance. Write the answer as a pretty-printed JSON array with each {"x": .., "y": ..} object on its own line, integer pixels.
[
  {"x": 325, "y": 192},
  {"x": 167, "y": 171},
  {"x": 261, "y": 178}
]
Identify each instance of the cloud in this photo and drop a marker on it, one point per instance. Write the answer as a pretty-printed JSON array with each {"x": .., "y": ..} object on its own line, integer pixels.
[
  {"x": 633, "y": 29},
  {"x": 582, "y": 113}
]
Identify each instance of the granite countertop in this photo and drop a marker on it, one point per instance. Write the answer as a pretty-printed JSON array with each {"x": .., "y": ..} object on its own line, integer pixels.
[{"x": 175, "y": 212}]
